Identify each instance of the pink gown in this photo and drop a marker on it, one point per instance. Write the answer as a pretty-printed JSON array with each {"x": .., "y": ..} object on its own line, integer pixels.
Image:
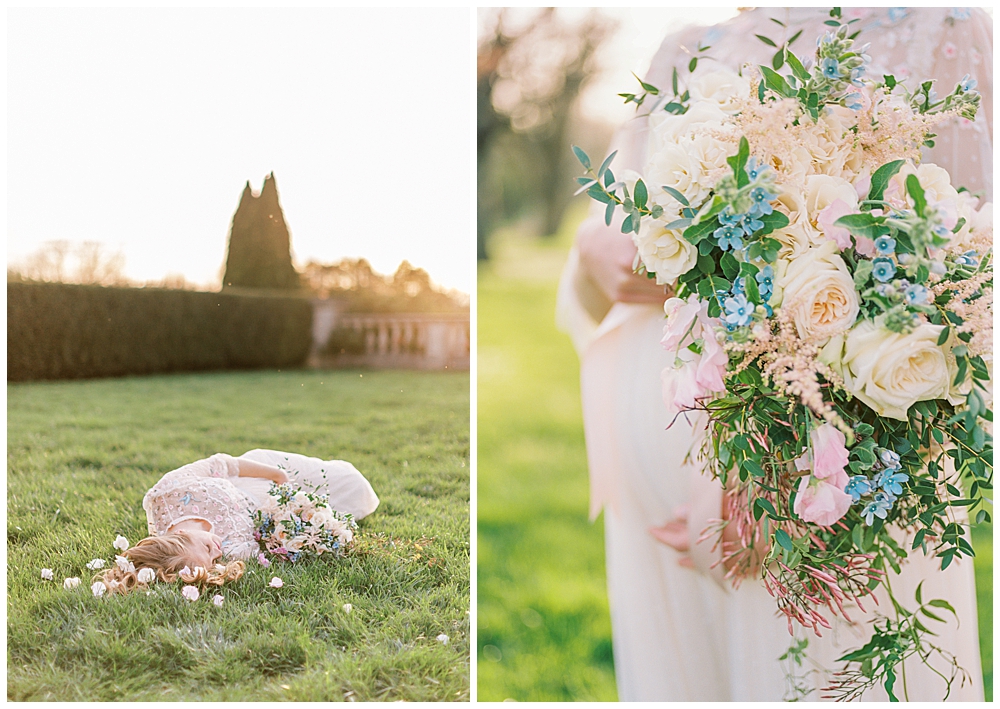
[{"x": 679, "y": 634}]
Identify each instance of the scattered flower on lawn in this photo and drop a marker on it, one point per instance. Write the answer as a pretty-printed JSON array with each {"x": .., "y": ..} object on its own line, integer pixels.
[
  {"x": 186, "y": 571},
  {"x": 113, "y": 584},
  {"x": 443, "y": 639},
  {"x": 71, "y": 583},
  {"x": 124, "y": 564},
  {"x": 348, "y": 607},
  {"x": 121, "y": 543},
  {"x": 98, "y": 589},
  {"x": 190, "y": 593},
  {"x": 146, "y": 575},
  {"x": 276, "y": 582},
  {"x": 262, "y": 560},
  {"x": 95, "y": 564},
  {"x": 218, "y": 600},
  {"x": 220, "y": 568},
  {"x": 46, "y": 574}
]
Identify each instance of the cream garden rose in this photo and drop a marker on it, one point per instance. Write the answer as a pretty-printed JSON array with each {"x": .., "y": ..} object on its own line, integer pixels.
[
  {"x": 664, "y": 251},
  {"x": 721, "y": 87},
  {"x": 819, "y": 290},
  {"x": 891, "y": 371}
]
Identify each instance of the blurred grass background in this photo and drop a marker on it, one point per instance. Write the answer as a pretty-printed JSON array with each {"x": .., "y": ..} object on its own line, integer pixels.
[{"x": 544, "y": 632}]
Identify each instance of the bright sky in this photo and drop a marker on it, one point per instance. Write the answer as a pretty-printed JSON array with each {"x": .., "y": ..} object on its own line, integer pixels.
[{"x": 139, "y": 128}]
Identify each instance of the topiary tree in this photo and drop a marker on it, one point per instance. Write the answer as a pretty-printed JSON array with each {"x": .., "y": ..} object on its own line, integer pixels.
[{"x": 259, "y": 245}]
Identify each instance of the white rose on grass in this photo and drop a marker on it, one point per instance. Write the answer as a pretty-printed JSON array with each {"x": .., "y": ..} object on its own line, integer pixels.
[
  {"x": 442, "y": 638},
  {"x": 820, "y": 292},
  {"x": 665, "y": 252},
  {"x": 124, "y": 564},
  {"x": 47, "y": 574},
  {"x": 121, "y": 543},
  {"x": 71, "y": 583},
  {"x": 348, "y": 608},
  {"x": 98, "y": 589},
  {"x": 95, "y": 564},
  {"x": 146, "y": 576},
  {"x": 891, "y": 371},
  {"x": 276, "y": 582},
  {"x": 190, "y": 592},
  {"x": 721, "y": 87},
  {"x": 218, "y": 600}
]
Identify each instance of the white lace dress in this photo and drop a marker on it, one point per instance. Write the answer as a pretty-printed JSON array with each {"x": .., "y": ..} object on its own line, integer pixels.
[
  {"x": 678, "y": 634},
  {"x": 212, "y": 490}
]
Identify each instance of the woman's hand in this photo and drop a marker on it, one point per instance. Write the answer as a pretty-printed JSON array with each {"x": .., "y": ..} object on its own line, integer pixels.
[
  {"x": 676, "y": 534},
  {"x": 607, "y": 256}
]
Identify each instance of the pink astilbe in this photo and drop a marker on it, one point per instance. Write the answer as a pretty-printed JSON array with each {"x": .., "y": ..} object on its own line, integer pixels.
[{"x": 977, "y": 314}]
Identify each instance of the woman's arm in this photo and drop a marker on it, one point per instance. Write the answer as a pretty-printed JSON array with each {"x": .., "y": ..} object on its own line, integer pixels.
[{"x": 253, "y": 469}]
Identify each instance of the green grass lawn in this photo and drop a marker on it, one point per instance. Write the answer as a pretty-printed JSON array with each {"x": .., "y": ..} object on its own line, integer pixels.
[
  {"x": 543, "y": 628},
  {"x": 81, "y": 455}
]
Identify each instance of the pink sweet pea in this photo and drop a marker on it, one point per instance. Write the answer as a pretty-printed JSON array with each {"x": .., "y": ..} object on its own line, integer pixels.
[
  {"x": 820, "y": 502},
  {"x": 828, "y": 216},
  {"x": 829, "y": 455},
  {"x": 680, "y": 317},
  {"x": 697, "y": 374}
]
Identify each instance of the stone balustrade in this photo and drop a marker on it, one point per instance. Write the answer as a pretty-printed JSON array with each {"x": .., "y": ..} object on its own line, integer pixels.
[{"x": 389, "y": 340}]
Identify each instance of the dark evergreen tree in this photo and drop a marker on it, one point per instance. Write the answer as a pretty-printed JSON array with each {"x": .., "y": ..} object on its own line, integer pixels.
[{"x": 259, "y": 245}]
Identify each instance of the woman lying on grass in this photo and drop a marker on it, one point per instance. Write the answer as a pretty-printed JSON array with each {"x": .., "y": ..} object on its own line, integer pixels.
[{"x": 206, "y": 510}]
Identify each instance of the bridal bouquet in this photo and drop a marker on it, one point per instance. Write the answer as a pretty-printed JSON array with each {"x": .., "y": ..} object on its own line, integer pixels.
[
  {"x": 295, "y": 525},
  {"x": 832, "y": 325}
]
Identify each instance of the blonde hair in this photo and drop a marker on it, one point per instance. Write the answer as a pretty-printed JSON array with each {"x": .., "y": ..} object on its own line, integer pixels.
[{"x": 167, "y": 557}]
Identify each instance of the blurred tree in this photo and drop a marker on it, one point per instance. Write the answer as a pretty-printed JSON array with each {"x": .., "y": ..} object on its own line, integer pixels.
[
  {"x": 529, "y": 75},
  {"x": 259, "y": 244},
  {"x": 362, "y": 289},
  {"x": 60, "y": 261}
]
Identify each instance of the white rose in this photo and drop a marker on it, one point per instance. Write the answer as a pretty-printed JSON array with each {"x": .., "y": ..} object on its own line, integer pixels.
[
  {"x": 721, "y": 87},
  {"x": 71, "y": 583},
  {"x": 891, "y": 371},
  {"x": 191, "y": 593},
  {"x": 120, "y": 543},
  {"x": 322, "y": 517},
  {"x": 47, "y": 574},
  {"x": 295, "y": 543},
  {"x": 935, "y": 181},
  {"x": 799, "y": 235},
  {"x": 820, "y": 292},
  {"x": 665, "y": 252},
  {"x": 146, "y": 575},
  {"x": 675, "y": 166},
  {"x": 98, "y": 589},
  {"x": 822, "y": 191},
  {"x": 667, "y": 127}
]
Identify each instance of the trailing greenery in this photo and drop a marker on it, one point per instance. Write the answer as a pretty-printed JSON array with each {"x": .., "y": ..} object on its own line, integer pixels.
[
  {"x": 63, "y": 331},
  {"x": 80, "y": 457}
]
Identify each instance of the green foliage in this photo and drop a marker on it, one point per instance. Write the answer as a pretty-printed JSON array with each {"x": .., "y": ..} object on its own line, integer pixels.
[
  {"x": 62, "y": 331},
  {"x": 80, "y": 457}
]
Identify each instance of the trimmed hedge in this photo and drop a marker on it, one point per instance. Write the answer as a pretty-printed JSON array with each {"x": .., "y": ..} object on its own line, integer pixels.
[{"x": 63, "y": 331}]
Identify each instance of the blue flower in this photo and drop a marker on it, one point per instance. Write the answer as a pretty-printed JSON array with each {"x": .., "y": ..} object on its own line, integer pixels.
[
  {"x": 830, "y": 68},
  {"x": 889, "y": 459},
  {"x": 739, "y": 286},
  {"x": 729, "y": 238},
  {"x": 891, "y": 481},
  {"x": 969, "y": 258},
  {"x": 916, "y": 295},
  {"x": 761, "y": 199},
  {"x": 750, "y": 225},
  {"x": 858, "y": 486},
  {"x": 768, "y": 310},
  {"x": 885, "y": 245},
  {"x": 884, "y": 269},
  {"x": 727, "y": 218},
  {"x": 756, "y": 169},
  {"x": 765, "y": 282},
  {"x": 967, "y": 83},
  {"x": 853, "y": 100},
  {"x": 878, "y": 507},
  {"x": 739, "y": 312}
]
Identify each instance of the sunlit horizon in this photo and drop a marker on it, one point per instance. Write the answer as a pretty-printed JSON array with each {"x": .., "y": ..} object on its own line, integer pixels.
[{"x": 139, "y": 129}]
